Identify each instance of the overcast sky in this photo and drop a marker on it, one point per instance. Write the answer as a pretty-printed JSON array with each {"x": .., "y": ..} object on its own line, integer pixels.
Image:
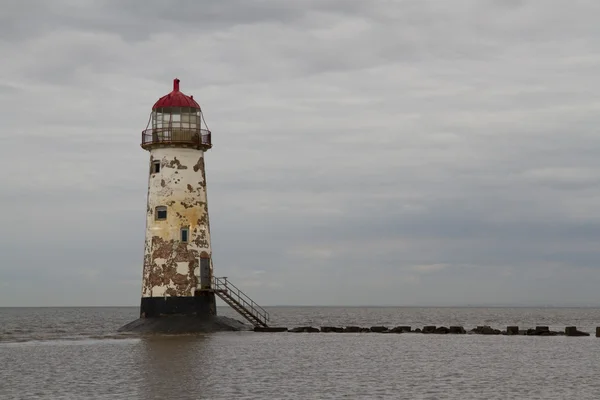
[{"x": 365, "y": 152}]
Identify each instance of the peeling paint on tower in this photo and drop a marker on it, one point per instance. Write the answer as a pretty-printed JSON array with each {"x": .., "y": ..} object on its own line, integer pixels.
[{"x": 171, "y": 266}]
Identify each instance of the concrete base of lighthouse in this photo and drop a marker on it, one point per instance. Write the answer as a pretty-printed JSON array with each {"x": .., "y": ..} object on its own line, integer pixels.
[
  {"x": 202, "y": 303},
  {"x": 181, "y": 315},
  {"x": 184, "y": 324}
]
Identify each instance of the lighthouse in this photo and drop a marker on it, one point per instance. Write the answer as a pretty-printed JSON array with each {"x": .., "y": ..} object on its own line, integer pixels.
[
  {"x": 177, "y": 252},
  {"x": 178, "y": 285}
]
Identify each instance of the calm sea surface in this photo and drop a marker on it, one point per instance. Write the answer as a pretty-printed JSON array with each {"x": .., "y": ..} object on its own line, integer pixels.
[{"x": 75, "y": 353}]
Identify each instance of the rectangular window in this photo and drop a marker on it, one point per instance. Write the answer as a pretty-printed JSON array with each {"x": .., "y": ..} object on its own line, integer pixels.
[
  {"x": 161, "y": 212},
  {"x": 185, "y": 234},
  {"x": 156, "y": 167}
]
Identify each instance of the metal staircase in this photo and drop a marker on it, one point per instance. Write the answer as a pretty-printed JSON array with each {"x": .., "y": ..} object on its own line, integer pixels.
[{"x": 240, "y": 302}]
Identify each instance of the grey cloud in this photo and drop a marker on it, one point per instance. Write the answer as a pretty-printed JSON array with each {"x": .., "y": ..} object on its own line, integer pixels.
[
  {"x": 134, "y": 22},
  {"x": 359, "y": 147}
]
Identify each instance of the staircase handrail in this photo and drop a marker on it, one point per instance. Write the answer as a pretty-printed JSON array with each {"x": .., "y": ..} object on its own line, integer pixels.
[{"x": 243, "y": 297}]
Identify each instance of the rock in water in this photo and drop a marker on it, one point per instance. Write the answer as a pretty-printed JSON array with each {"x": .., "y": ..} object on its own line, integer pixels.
[
  {"x": 512, "y": 330},
  {"x": 400, "y": 329},
  {"x": 270, "y": 329},
  {"x": 572, "y": 331},
  {"x": 379, "y": 329},
  {"x": 332, "y": 329},
  {"x": 457, "y": 330},
  {"x": 486, "y": 330},
  {"x": 429, "y": 329},
  {"x": 301, "y": 329},
  {"x": 541, "y": 331}
]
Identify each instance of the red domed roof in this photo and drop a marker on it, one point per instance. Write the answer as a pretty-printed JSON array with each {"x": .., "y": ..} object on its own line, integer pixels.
[{"x": 176, "y": 99}]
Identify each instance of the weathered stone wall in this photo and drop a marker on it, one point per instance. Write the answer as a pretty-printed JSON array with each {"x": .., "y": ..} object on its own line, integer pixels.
[{"x": 171, "y": 267}]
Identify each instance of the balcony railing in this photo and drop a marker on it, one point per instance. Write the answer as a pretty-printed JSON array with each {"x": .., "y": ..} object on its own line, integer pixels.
[{"x": 196, "y": 137}]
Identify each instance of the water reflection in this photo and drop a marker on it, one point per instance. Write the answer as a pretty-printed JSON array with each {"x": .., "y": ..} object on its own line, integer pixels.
[{"x": 175, "y": 366}]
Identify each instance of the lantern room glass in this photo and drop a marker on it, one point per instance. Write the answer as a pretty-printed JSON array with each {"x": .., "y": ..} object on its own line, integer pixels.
[{"x": 176, "y": 118}]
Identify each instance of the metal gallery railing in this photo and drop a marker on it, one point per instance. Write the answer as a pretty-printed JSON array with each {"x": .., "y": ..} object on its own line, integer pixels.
[{"x": 193, "y": 136}]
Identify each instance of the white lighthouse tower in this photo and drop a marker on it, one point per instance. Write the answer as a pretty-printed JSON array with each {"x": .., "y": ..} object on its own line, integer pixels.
[
  {"x": 178, "y": 286},
  {"x": 177, "y": 253}
]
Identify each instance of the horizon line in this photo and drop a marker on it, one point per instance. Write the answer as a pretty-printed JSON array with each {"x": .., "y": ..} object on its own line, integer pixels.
[{"x": 575, "y": 305}]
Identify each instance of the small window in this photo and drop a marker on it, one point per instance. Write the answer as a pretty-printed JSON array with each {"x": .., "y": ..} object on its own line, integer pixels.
[
  {"x": 156, "y": 167},
  {"x": 161, "y": 212},
  {"x": 185, "y": 234}
]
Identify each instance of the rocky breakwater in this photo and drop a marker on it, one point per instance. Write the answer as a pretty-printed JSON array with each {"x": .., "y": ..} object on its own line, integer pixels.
[{"x": 433, "y": 329}]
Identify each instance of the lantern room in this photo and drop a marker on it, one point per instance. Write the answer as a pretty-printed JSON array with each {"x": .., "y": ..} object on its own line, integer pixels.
[{"x": 176, "y": 120}]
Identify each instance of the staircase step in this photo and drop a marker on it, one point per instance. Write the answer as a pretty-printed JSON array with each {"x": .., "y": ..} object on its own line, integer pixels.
[{"x": 248, "y": 312}]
